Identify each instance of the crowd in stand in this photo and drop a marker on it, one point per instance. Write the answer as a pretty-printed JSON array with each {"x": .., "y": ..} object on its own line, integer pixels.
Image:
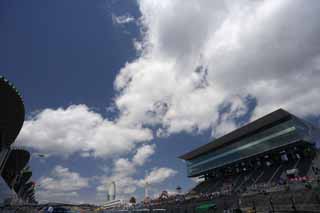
[{"x": 263, "y": 188}]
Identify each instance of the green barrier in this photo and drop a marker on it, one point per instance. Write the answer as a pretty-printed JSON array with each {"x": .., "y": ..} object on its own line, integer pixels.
[{"x": 206, "y": 208}]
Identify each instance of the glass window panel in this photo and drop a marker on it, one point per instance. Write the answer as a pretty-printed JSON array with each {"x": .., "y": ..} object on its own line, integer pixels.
[{"x": 280, "y": 135}]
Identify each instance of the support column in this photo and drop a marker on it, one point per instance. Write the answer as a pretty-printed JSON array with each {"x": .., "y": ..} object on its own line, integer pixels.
[{"x": 4, "y": 152}]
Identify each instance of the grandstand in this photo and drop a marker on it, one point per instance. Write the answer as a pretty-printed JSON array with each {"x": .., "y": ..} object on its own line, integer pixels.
[
  {"x": 273, "y": 157},
  {"x": 270, "y": 150},
  {"x": 254, "y": 164},
  {"x": 13, "y": 161},
  {"x": 271, "y": 164}
]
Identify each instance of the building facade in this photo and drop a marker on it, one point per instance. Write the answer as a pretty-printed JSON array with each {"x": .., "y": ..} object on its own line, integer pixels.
[{"x": 278, "y": 133}]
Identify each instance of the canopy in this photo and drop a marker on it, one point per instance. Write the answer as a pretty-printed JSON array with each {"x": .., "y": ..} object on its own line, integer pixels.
[
  {"x": 244, "y": 131},
  {"x": 11, "y": 112}
]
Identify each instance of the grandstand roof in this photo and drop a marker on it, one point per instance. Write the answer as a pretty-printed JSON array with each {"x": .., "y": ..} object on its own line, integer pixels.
[
  {"x": 11, "y": 111},
  {"x": 264, "y": 122}
]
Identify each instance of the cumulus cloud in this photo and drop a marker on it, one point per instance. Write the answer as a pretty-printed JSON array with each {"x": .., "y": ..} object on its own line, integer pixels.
[
  {"x": 127, "y": 185},
  {"x": 63, "y": 197},
  {"x": 62, "y": 185},
  {"x": 196, "y": 69},
  {"x": 124, "y": 171},
  {"x": 143, "y": 153},
  {"x": 232, "y": 50},
  {"x": 123, "y": 167},
  {"x": 63, "y": 180},
  {"x": 158, "y": 175},
  {"x": 77, "y": 129}
]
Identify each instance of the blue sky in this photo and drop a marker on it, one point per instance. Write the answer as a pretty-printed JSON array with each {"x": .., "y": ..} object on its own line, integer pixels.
[
  {"x": 116, "y": 90},
  {"x": 57, "y": 56}
]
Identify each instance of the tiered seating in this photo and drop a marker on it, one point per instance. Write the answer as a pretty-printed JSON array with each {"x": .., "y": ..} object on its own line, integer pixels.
[
  {"x": 249, "y": 180},
  {"x": 278, "y": 174},
  {"x": 268, "y": 172},
  {"x": 201, "y": 186},
  {"x": 255, "y": 175},
  {"x": 210, "y": 185},
  {"x": 289, "y": 165},
  {"x": 304, "y": 166},
  {"x": 238, "y": 181},
  {"x": 280, "y": 199},
  {"x": 264, "y": 175},
  {"x": 215, "y": 186}
]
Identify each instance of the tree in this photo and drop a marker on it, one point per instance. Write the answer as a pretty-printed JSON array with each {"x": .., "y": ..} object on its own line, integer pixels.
[{"x": 132, "y": 200}]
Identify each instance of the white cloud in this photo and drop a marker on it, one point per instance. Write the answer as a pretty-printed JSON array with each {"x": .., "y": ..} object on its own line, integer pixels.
[
  {"x": 64, "y": 197},
  {"x": 124, "y": 167},
  {"x": 158, "y": 175},
  {"x": 127, "y": 185},
  {"x": 77, "y": 129},
  {"x": 124, "y": 171},
  {"x": 232, "y": 50},
  {"x": 143, "y": 153},
  {"x": 61, "y": 185},
  {"x": 234, "y": 108},
  {"x": 63, "y": 180},
  {"x": 209, "y": 55},
  {"x": 122, "y": 19}
]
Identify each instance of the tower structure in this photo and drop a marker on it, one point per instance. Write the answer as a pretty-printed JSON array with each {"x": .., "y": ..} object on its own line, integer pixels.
[
  {"x": 111, "y": 191},
  {"x": 146, "y": 190}
]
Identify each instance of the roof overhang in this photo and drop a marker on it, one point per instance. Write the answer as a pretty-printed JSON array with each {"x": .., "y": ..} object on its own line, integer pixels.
[
  {"x": 11, "y": 111},
  {"x": 260, "y": 155},
  {"x": 264, "y": 122}
]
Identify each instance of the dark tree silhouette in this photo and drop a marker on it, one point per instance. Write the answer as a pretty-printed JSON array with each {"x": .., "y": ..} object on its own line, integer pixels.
[{"x": 132, "y": 200}]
